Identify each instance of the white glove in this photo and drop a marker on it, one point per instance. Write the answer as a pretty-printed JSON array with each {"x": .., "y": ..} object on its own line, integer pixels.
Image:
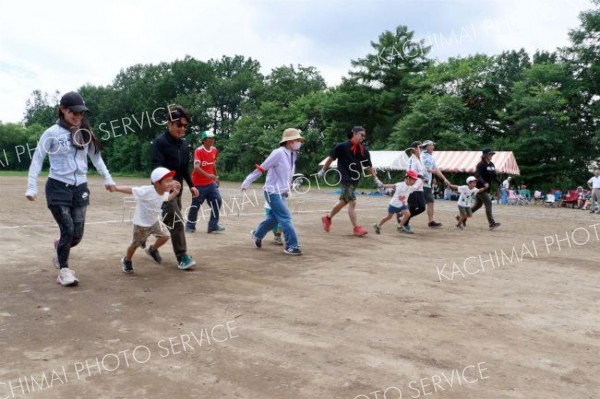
[
  {"x": 379, "y": 185},
  {"x": 321, "y": 173}
]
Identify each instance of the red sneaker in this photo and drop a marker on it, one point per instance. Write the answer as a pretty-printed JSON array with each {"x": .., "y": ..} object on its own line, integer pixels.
[
  {"x": 326, "y": 223},
  {"x": 359, "y": 231}
]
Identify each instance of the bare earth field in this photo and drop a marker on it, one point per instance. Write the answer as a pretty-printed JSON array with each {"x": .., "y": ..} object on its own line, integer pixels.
[{"x": 514, "y": 313}]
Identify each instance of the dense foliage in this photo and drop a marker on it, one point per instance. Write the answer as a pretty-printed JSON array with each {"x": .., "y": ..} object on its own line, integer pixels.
[{"x": 544, "y": 107}]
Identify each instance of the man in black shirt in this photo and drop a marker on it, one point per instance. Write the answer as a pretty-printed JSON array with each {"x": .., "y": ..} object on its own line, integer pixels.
[
  {"x": 170, "y": 150},
  {"x": 352, "y": 159},
  {"x": 485, "y": 173}
]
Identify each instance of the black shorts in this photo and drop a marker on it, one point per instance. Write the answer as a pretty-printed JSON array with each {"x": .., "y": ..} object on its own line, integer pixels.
[
  {"x": 416, "y": 202},
  {"x": 62, "y": 194},
  {"x": 428, "y": 195}
]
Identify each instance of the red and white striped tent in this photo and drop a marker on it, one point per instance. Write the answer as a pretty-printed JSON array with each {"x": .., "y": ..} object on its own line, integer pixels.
[
  {"x": 465, "y": 161},
  {"x": 447, "y": 161}
]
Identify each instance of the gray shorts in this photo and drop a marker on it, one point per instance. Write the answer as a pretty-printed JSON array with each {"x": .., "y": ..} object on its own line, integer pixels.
[
  {"x": 465, "y": 211},
  {"x": 428, "y": 195}
]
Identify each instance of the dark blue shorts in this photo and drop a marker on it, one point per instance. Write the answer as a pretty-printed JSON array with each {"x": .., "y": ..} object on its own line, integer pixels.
[{"x": 393, "y": 209}]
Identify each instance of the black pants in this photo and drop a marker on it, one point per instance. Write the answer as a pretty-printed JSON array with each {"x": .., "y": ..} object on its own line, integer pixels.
[
  {"x": 173, "y": 218},
  {"x": 71, "y": 222},
  {"x": 68, "y": 204},
  {"x": 416, "y": 205},
  {"x": 483, "y": 198}
]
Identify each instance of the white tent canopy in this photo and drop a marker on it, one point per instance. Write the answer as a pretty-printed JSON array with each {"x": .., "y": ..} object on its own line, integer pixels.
[{"x": 383, "y": 160}]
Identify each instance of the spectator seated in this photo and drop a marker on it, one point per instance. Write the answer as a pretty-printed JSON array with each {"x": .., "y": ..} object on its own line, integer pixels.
[{"x": 570, "y": 199}]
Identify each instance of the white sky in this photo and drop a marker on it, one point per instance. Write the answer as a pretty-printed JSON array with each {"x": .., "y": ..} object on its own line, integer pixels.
[{"x": 62, "y": 45}]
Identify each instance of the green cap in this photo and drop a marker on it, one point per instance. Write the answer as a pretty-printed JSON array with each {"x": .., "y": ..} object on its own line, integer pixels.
[{"x": 207, "y": 135}]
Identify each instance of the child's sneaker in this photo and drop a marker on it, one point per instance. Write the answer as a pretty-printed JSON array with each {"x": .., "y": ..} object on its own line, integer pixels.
[
  {"x": 292, "y": 251},
  {"x": 126, "y": 266},
  {"x": 377, "y": 228},
  {"x": 257, "y": 241},
  {"x": 359, "y": 231},
  {"x": 277, "y": 239},
  {"x": 406, "y": 229},
  {"x": 185, "y": 262},
  {"x": 459, "y": 226},
  {"x": 154, "y": 254},
  {"x": 55, "y": 261},
  {"x": 326, "y": 223},
  {"x": 66, "y": 277}
]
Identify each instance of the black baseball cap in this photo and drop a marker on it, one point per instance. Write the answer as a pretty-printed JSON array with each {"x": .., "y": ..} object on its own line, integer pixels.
[
  {"x": 74, "y": 102},
  {"x": 487, "y": 151},
  {"x": 416, "y": 144}
]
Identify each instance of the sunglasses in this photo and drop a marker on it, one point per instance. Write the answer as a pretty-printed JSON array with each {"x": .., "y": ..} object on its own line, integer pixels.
[{"x": 179, "y": 124}]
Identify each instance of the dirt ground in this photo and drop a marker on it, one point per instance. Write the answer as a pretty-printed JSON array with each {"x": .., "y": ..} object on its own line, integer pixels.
[{"x": 514, "y": 313}]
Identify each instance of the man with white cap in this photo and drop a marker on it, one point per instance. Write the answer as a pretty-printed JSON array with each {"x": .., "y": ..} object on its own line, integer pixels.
[
  {"x": 594, "y": 184},
  {"x": 206, "y": 180},
  {"x": 431, "y": 167},
  {"x": 280, "y": 166},
  {"x": 504, "y": 191}
]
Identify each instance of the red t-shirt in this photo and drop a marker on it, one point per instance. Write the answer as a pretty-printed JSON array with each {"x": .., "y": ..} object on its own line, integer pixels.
[{"x": 207, "y": 160}]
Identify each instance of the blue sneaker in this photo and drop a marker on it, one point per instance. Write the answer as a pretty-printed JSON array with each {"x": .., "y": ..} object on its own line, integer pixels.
[
  {"x": 406, "y": 229},
  {"x": 185, "y": 262}
]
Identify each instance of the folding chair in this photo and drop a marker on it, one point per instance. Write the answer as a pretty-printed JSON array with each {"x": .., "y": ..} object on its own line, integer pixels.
[
  {"x": 127, "y": 205},
  {"x": 522, "y": 199}
]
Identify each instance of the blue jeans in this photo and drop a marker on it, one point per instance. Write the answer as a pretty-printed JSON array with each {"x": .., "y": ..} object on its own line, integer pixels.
[
  {"x": 279, "y": 214},
  {"x": 503, "y": 196},
  {"x": 211, "y": 194}
]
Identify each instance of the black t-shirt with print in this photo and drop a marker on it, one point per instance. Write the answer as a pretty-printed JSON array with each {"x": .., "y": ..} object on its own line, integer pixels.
[{"x": 349, "y": 164}]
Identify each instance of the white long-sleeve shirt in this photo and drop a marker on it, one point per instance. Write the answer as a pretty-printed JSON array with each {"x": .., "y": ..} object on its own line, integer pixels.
[
  {"x": 67, "y": 164},
  {"x": 415, "y": 164},
  {"x": 280, "y": 166}
]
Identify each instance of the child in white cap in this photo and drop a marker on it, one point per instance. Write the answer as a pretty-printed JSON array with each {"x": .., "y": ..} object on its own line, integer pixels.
[
  {"x": 466, "y": 199},
  {"x": 147, "y": 214}
]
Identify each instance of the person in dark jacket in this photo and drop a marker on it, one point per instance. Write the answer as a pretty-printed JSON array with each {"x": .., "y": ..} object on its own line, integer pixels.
[
  {"x": 170, "y": 150},
  {"x": 485, "y": 173}
]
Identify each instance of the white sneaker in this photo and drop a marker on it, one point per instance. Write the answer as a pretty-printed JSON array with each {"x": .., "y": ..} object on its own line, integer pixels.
[{"x": 66, "y": 277}]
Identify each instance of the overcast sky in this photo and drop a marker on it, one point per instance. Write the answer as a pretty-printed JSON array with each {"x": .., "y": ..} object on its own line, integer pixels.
[{"x": 60, "y": 45}]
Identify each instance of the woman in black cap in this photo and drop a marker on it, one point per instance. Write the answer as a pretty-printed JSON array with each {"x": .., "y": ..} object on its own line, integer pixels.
[{"x": 68, "y": 144}]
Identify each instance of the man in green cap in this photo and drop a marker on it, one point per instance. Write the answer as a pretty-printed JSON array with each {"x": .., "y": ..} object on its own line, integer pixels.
[{"x": 206, "y": 180}]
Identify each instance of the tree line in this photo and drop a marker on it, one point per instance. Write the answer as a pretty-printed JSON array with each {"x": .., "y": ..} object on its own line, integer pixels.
[{"x": 544, "y": 107}]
